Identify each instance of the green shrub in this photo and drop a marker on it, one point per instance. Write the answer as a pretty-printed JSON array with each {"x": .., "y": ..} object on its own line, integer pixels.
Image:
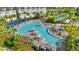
[
  {"x": 9, "y": 42},
  {"x": 34, "y": 47}
]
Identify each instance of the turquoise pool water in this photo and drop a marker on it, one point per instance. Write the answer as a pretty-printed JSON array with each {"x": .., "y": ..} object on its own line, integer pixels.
[
  {"x": 60, "y": 18},
  {"x": 42, "y": 31}
]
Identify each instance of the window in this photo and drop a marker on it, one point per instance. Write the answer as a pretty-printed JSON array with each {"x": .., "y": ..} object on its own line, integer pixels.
[
  {"x": 41, "y": 8},
  {"x": 6, "y": 12},
  {"x": 28, "y": 7},
  {"x": 33, "y": 8},
  {"x": 13, "y": 8},
  {"x": 33, "y": 12},
  {"x": 22, "y": 8},
  {"x": 37, "y": 8}
]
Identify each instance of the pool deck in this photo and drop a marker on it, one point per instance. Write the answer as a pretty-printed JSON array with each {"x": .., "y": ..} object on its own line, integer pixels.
[
  {"x": 39, "y": 42},
  {"x": 44, "y": 45},
  {"x": 42, "y": 42}
]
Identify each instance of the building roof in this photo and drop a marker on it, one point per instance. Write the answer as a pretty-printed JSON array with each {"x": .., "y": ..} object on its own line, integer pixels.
[
  {"x": 64, "y": 34},
  {"x": 67, "y": 20}
]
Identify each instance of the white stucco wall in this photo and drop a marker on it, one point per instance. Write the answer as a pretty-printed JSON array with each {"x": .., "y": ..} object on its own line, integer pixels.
[{"x": 30, "y": 11}]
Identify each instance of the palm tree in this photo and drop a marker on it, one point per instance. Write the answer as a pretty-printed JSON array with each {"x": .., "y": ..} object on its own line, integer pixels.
[
  {"x": 70, "y": 43},
  {"x": 77, "y": 12},
  {"x": 72, "y": 15},
  {"x": 17, "y": 12},
  {"x": 37, "y": 15},
  {"x": 75, "y": 19},
  {"x": 2, "y": 20}
]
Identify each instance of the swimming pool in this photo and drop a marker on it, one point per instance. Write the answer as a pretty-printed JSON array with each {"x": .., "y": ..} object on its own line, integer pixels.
[
  {"x": 42, "y": 31},
  {"x": 18, "y": 21},
  {"x": 60, "y": 18}
]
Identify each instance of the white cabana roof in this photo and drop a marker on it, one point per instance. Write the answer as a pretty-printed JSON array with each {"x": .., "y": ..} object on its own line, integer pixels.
[
  {"x": 8, "y": 20},
  {"x": 22, "y": 16},
  {"x": 67, "y": 21},
  {"x": 27, "y": 16},
  {"x": 32, "y": 15},
  {"x": 13, "y": 19},
  {"x": 76, "y": 24}
]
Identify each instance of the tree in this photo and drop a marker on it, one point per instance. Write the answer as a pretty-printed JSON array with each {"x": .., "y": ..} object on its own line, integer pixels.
[
  {"x": 14, "y": 15},
  {"x": 1, "y": 42},
  {"x": 6, "y": 16},
  {"x": 2, "y": 20},
  {"x": 37, "y": 16},
  {"x": 75, "y": 19},
  {"x": 14, "y": 30},
  {"x": 9, "y": 42},
  {"x": 70, "y": 43},
  {"x": 51, "y": 19},
  {"x": 77, "y": 12},
  {"x": 17, "y": 12},
  {"x": 23, "y": 44}
]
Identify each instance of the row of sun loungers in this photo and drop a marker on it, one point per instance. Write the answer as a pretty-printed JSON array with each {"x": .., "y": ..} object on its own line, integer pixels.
[{"x": 41, "y": 45}]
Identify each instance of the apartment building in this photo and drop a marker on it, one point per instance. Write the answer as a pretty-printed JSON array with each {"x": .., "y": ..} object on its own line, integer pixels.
[
  {"x": 32, "y": 9},
  {"x": 29, "y": 10},
  {"x": 6, "y": 11}
]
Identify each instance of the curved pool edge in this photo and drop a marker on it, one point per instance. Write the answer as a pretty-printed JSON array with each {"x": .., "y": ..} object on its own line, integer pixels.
[{"x": 50, "y": 33}]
